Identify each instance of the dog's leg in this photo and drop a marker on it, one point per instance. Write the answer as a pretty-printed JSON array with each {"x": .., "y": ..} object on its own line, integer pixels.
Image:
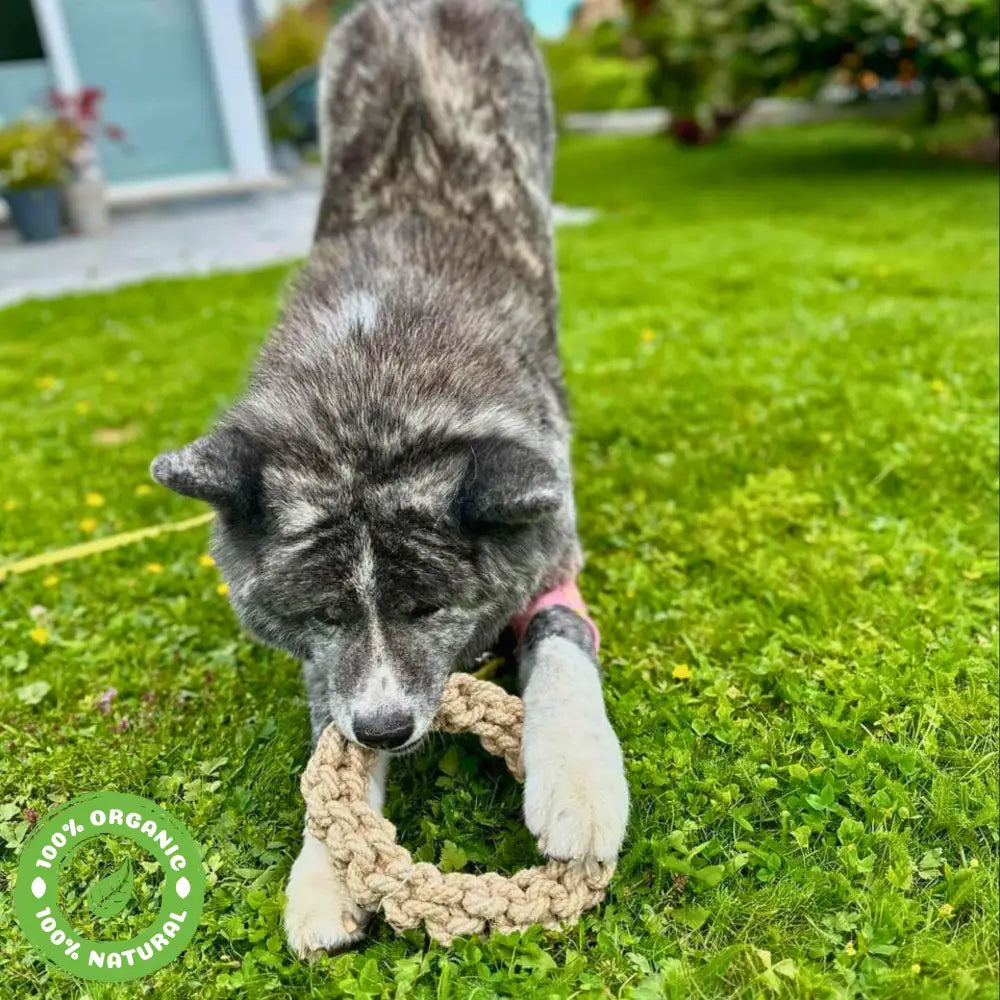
[
  {"x": 319, "y": 913},
  {"x": 575, "y": 794}
]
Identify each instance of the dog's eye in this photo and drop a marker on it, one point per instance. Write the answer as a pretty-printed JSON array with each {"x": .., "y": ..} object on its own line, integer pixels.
[{"x": 422, "y": 610}]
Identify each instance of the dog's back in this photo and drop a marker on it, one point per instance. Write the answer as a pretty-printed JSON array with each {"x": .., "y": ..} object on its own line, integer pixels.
[
  {"x": 430, "y": 289},
  {"x": 440, "y": 108}
]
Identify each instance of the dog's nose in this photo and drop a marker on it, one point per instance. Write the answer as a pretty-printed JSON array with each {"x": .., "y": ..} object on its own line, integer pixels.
[{"x": 383, "y": 732}]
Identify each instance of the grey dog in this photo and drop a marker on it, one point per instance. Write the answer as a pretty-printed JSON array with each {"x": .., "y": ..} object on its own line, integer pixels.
[{"x": 394, "y": 486}]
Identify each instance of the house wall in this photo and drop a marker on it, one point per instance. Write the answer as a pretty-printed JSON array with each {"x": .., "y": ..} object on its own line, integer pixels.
[
  {"x": 23, "y": 86},
  {"x": 152, "y": 63},
  {"x": 178, "y": 79}
]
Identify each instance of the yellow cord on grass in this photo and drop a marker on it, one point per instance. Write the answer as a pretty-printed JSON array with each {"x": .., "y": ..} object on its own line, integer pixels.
[{"x": 98, "y": 545}]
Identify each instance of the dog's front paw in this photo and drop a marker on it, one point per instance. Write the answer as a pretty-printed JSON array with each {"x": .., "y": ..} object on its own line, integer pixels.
[
  {"x": 575, "y": 793},
  {"x": 319, "y": 914}
]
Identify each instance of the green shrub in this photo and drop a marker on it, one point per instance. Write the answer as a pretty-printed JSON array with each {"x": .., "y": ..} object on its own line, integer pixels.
[
  {"x": 583, "y": 80},
  {"x": 293, "y": 40},
  {"x": 711, "y": 58},
  {"x": 956, "y": 40},
  {"x": 606, "y": 39},
  {"x": 36, "y": 153}
]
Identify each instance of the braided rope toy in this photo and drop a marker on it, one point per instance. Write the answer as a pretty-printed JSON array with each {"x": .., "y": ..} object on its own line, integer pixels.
[{"x": 380, "y": 874}]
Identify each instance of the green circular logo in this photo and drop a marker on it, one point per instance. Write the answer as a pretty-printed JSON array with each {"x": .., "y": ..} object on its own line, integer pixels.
[{"x": 56, "y": 839}]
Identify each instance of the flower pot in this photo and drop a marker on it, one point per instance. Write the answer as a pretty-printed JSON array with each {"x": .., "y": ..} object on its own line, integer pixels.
[
  {"x": 35, "y": 212},
  {"x": 86, "y": 206}
]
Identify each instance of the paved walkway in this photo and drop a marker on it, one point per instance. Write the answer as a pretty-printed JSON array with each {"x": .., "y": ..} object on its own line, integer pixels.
[
  {"x": 763, "y": 112},
  {"x": 223, "y": 233}
]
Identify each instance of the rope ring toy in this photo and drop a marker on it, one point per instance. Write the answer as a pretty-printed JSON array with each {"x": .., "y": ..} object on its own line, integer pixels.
[{"x": 380, "y": 874}]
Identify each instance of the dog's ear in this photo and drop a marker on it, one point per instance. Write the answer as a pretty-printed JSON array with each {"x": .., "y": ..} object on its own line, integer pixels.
[
  {"x": 508, "y": 483},
  {"x": 221, "y": 468}
]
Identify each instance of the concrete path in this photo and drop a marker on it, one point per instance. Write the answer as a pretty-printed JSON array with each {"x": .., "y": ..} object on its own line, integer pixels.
[
  {"x": 223, "y": 233},
  {"x": 649, "y": 121},
  {"x": 633, "y": 121},
  {"x": 763, "y": 112}
]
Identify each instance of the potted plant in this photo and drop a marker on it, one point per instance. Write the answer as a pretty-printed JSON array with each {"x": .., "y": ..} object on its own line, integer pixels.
[
  {"x": 34, "y": 162},
  {"x": 84, "y": 192}
]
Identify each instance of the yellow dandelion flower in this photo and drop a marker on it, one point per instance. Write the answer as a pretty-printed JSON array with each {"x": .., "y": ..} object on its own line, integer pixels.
[
  {"x": 9, "y": 505},
  {"x": 82, "y": 407},
  {"x": 94, "y": 500},
  {"x": 154, "y": 568},
  {"x": 222, "y": 589},
  {"x": 849, "y": 948},
  {"x": 39, "y": 634},
  {"x": 946, "y": 909},
  {"x": 51, "y": 581},
  {"x": 206, "y": 560},
  {"x": 915, "y": 968},
  {"x": 143, "y": 490},
  {"x": 46, "y": 382},
  {"x": 681, "y": 672},
  {"x": 89, "y": 525},
  {"x": 938, "y": 386},
  {"x": 648, "y": 335}
]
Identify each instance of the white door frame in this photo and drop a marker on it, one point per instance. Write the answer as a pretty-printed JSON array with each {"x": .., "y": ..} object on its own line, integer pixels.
[
  {"x": 237, "y": 91},
  {"x": 236, "y": 88},
  {"x": 57, "y": 45}
]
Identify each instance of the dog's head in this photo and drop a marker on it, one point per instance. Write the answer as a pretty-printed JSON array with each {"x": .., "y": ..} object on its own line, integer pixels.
[{"x": 383, "y": 567}]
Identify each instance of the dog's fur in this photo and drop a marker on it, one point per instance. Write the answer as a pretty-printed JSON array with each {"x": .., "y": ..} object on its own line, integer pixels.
[{"x": 395, "y": 483}]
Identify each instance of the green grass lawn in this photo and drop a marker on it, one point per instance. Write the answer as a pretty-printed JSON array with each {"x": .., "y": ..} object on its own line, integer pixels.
[{"x": 783, "y": 361}]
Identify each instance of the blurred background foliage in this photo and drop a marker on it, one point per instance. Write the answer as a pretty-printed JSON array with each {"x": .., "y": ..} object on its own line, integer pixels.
[
  {"x": 712, "y": 58},
  {"x": 590, "y": 72},
  {"x": 707, "y": 61},
  {"x": 292, "y": 41}
]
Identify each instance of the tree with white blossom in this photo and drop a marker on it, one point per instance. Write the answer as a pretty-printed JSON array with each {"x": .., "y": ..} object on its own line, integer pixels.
[{"x": 713, "y": 57}]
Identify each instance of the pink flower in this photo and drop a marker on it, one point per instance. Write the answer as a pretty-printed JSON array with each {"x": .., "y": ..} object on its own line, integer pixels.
[
  {"x": 104, "y": 701},
  {"x": 87, "y": 103},
  {"x": 82, "y": 111}
]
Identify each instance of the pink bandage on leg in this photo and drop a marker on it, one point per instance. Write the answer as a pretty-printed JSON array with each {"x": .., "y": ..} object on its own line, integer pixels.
[{"x": 566, "y": 595}]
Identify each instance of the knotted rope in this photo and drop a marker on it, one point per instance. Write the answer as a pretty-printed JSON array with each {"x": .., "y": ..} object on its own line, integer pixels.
[{"x": 380, "y": 874}]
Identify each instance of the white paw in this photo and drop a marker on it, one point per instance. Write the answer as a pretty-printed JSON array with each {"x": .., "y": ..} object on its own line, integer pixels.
[
  {"x": 319, "y": 914},
  {"x": 575, "y": 793}
]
